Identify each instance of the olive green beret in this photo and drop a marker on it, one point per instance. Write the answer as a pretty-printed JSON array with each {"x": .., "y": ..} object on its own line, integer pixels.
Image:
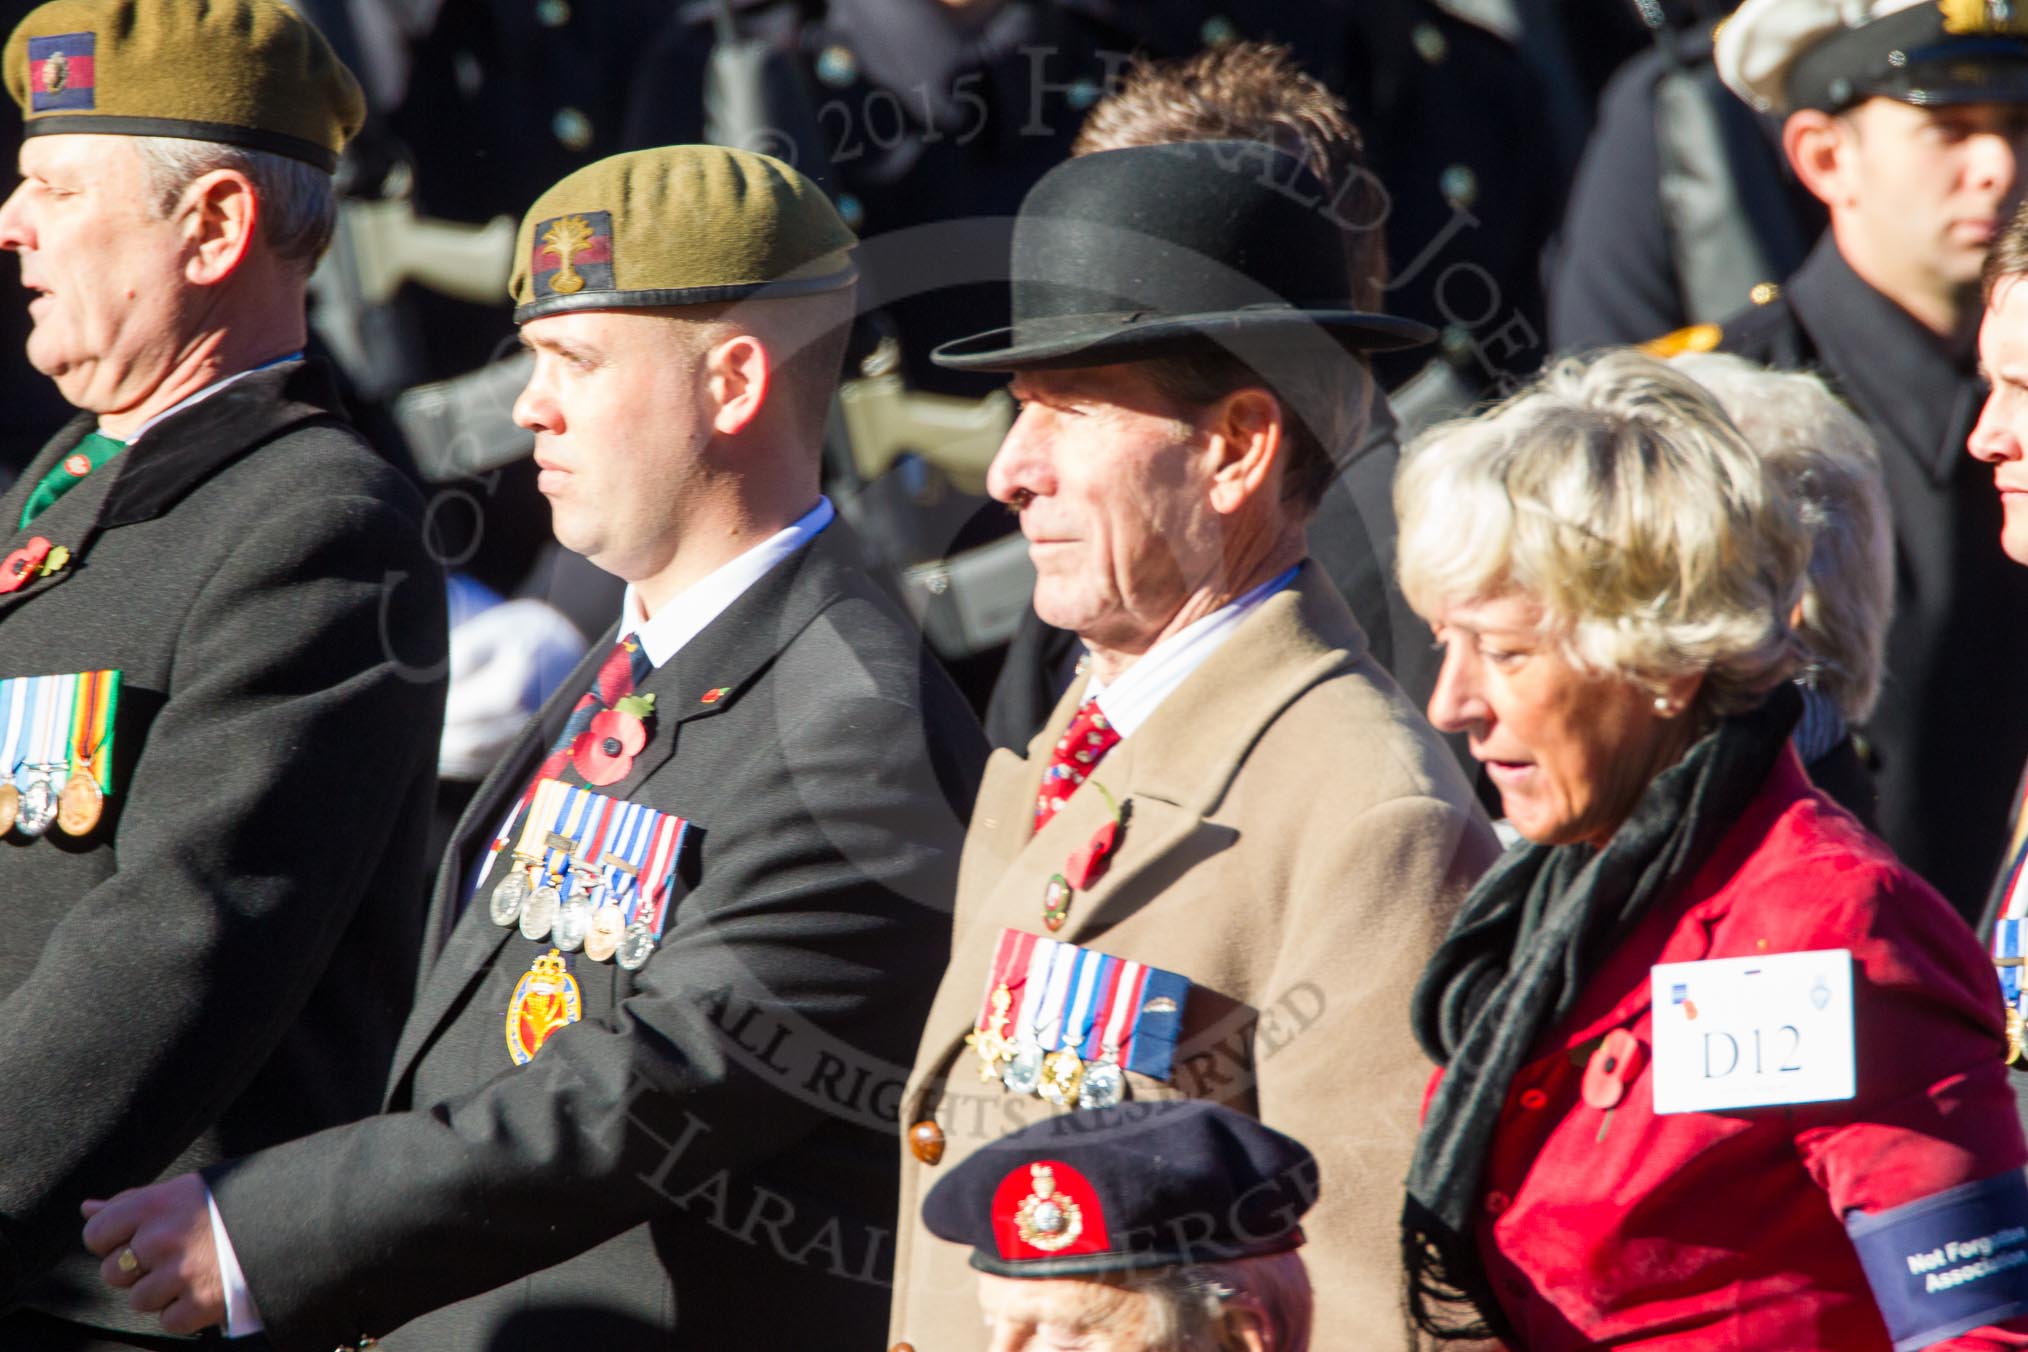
[
  {"x": 678, "y": 225},
  {"x": 249, "y": 73}
]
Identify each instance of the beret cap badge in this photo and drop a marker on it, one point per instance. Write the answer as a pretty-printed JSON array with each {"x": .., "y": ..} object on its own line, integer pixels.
[{"x": 1047, "y": 1220}]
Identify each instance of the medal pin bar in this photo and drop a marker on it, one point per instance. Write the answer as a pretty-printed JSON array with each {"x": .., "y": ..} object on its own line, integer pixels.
[
  {"x": 1063, "y": 1069},
  {"x": 1105, "y": 1083},
  {"x": 47, "y": 754},
  {"x": 620, "y": 866},
  {"x": 538, "y": 913},
  {"x": 13, "y": 736},
  {"x": 1043, "y": 1022},
  {"x": 83, "y": 799},
  {"x": 650, "y": 910},
  {"x": 511, "y": 893},
  {"x": 574, "y": 916}
]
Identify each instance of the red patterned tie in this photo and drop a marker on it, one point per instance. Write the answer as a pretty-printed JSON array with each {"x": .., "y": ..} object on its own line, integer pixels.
[
  {"x": 1083, "y": 745},
  {"x": 624, "y": 668}
]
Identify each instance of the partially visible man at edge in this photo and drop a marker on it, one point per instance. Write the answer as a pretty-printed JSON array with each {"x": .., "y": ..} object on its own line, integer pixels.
[
  {"x": 1215, "y": 871},
  {"x": 223, "y": 634},
  {"x": 2000, "y": 442},
  {"x": 1908, "y": 120}
]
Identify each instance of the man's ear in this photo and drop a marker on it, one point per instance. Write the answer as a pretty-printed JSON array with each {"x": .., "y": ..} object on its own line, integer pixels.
[
  {"x": 1247, "y": 436},
  {"x": 1820, "y": 148},
  {"x": 739, "y": 373},
  {"x": 220, "y": 214}
]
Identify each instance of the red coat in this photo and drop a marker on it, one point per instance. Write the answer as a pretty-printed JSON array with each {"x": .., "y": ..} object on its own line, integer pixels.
[{"x": 1702, "y": 1230}]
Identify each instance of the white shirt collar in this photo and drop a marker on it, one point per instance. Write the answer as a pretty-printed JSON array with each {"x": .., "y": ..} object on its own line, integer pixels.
[
  {"x": 704, "y": 600},
  {"x": 213, "y": 388},
  {"x": 1128, "y": 701}
]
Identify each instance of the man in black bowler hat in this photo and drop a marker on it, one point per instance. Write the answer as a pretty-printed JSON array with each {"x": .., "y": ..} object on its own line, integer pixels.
[
  {"x": 1221, "y": 865},
  {"x": 1166, "y": 1227}
]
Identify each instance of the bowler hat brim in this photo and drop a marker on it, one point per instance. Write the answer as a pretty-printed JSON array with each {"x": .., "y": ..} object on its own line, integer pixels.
[{"x": 1106, "y": 339}]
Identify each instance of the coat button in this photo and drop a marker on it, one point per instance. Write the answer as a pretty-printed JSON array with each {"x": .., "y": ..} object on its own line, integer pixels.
[
  {"x": 1534, "y": 1099},
  {"x": 1496, "y": 1202},
  {"x": 902, "y": 1347},
  {"x": 926, "y": 1142}
]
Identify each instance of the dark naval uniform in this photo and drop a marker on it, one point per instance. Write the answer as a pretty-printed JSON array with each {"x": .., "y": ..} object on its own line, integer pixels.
[
  {"x": 1945, "y": 762},
  {"x": 717, "y": 1132},
  {"x": 224, "y": 960}
]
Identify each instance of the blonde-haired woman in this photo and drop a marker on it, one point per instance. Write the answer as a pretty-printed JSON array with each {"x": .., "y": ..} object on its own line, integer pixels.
[{"x": 1611, "y": 570}]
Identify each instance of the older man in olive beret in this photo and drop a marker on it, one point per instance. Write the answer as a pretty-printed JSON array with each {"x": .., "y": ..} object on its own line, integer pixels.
[
  {"x": 221, "y": 641},
  {"x": 705, "y": 898}
]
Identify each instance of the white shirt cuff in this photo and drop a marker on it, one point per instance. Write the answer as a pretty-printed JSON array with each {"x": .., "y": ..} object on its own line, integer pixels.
[{"x": 241, "y": 1318}]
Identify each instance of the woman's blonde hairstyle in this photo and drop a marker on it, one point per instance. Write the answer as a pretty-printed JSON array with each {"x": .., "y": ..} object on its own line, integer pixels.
[
  {"x": 1614, "y": 492},
  {"x": 1828, "y": 462}
]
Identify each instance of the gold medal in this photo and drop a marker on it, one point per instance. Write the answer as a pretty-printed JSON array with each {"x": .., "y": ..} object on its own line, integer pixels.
[
  {"x": 10, "y": 807},
  {"x": 544, "y": 1000},
  {"x": 1062, "y": 1072},
  {"x": 80, "y": 805},
  {"x": 991, "y": 1041},
  {"x": 2014, "y": 1035},
  {"x": 603, "y": 941}
]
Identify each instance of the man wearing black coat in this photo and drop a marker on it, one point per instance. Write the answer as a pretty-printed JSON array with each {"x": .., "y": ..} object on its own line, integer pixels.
[
  {"x": 693, "y": 1136},
  {"x": 210, "y": 947},
  {"x": 1910, "y": 122}
]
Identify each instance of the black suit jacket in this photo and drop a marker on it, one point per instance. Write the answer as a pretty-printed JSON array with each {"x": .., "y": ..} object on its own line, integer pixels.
[
  {"x": 1944, "y": 757},
  {"x": 710, "y": 1153},
  {"x": 224, "y": 962}
]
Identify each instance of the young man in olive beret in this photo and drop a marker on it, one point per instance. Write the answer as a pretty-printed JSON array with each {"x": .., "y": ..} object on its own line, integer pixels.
[
  {"x": 221, "y": 641},
  {"x": 693, "y": 919}
]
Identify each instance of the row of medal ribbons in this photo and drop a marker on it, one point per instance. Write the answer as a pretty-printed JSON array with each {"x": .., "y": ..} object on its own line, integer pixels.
[
  {"x": 56, "y": 751},
  {"x": 1065, "y": 1023},
  {"x": 591, "y": 872}
]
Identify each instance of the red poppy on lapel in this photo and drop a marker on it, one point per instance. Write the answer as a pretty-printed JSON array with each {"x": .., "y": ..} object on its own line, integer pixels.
[
  {"x": 23, "y": 564},
  {"x": 604, "y": 752},
  {"x": 1087, "y": 865}
]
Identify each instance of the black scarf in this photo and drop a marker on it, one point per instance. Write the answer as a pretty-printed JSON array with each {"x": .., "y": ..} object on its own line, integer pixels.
[{"x": 1516, "y": 960}]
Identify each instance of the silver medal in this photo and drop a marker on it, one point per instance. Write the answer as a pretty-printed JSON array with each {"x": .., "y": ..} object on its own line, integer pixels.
[
  {"x": 538, "y": 913},
  {"x": 1024, "y": 1071},
  {"x": 635, "y": 946},
  {"x": 38, "y": 807},
  {"x": 573, "y": 921},
  {"x": 508, "y": 896},
  {"x": 1103, "y": 1086}
]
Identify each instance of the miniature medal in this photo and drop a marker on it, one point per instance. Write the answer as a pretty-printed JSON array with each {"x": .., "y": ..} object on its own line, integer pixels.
[
  {"x": 573, "y": 920},
  {"x": 38, "y": 807},
  {"x": 10, "y": 807},
  {"x": 1102, "y": 1087},
  {"x": 1024, "y": 1069},
  {"x": 538, "y": 913},
  {"x": 1062, "y": 1072},
  {"x": 602, "y": 940},
  {"x": 510, "y": 894},
  {"x": 2015, "y": 1035},
  {"x": 991, "y": 1042},
  {"x": 80, "y": 804},
  {"x": 635, "y": 946}
]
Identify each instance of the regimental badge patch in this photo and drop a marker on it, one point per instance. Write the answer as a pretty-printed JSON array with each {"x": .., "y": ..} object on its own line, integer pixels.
[
  {"x": 62, "y": 74},
  {"x": 545, "y": 999},
  {"x": 1047, "y": 1210},
  {"x": 573, "y": 253}
]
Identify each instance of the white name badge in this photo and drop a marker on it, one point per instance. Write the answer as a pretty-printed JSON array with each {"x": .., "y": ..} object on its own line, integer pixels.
[{"x": 1753, "y": 1032}]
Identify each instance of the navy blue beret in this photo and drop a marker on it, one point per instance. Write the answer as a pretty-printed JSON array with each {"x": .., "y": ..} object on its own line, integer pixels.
[{"x": 1145, "y": 1184}]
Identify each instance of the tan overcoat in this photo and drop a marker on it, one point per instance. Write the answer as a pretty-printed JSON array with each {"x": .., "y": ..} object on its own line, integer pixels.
[{"x": 1297, "y": 839}]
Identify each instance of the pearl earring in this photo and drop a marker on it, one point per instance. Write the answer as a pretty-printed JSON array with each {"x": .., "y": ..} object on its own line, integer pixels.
[{"x": 1665, "y": 706}]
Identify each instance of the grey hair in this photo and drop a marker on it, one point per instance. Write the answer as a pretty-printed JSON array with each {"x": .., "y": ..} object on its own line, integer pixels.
[
  {"x": 1200, "y": 1308},
  {"x": 1828, "y": 461},
  {"x": 298, "y": 204},
  {"x": 1615, "y": 493}
]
